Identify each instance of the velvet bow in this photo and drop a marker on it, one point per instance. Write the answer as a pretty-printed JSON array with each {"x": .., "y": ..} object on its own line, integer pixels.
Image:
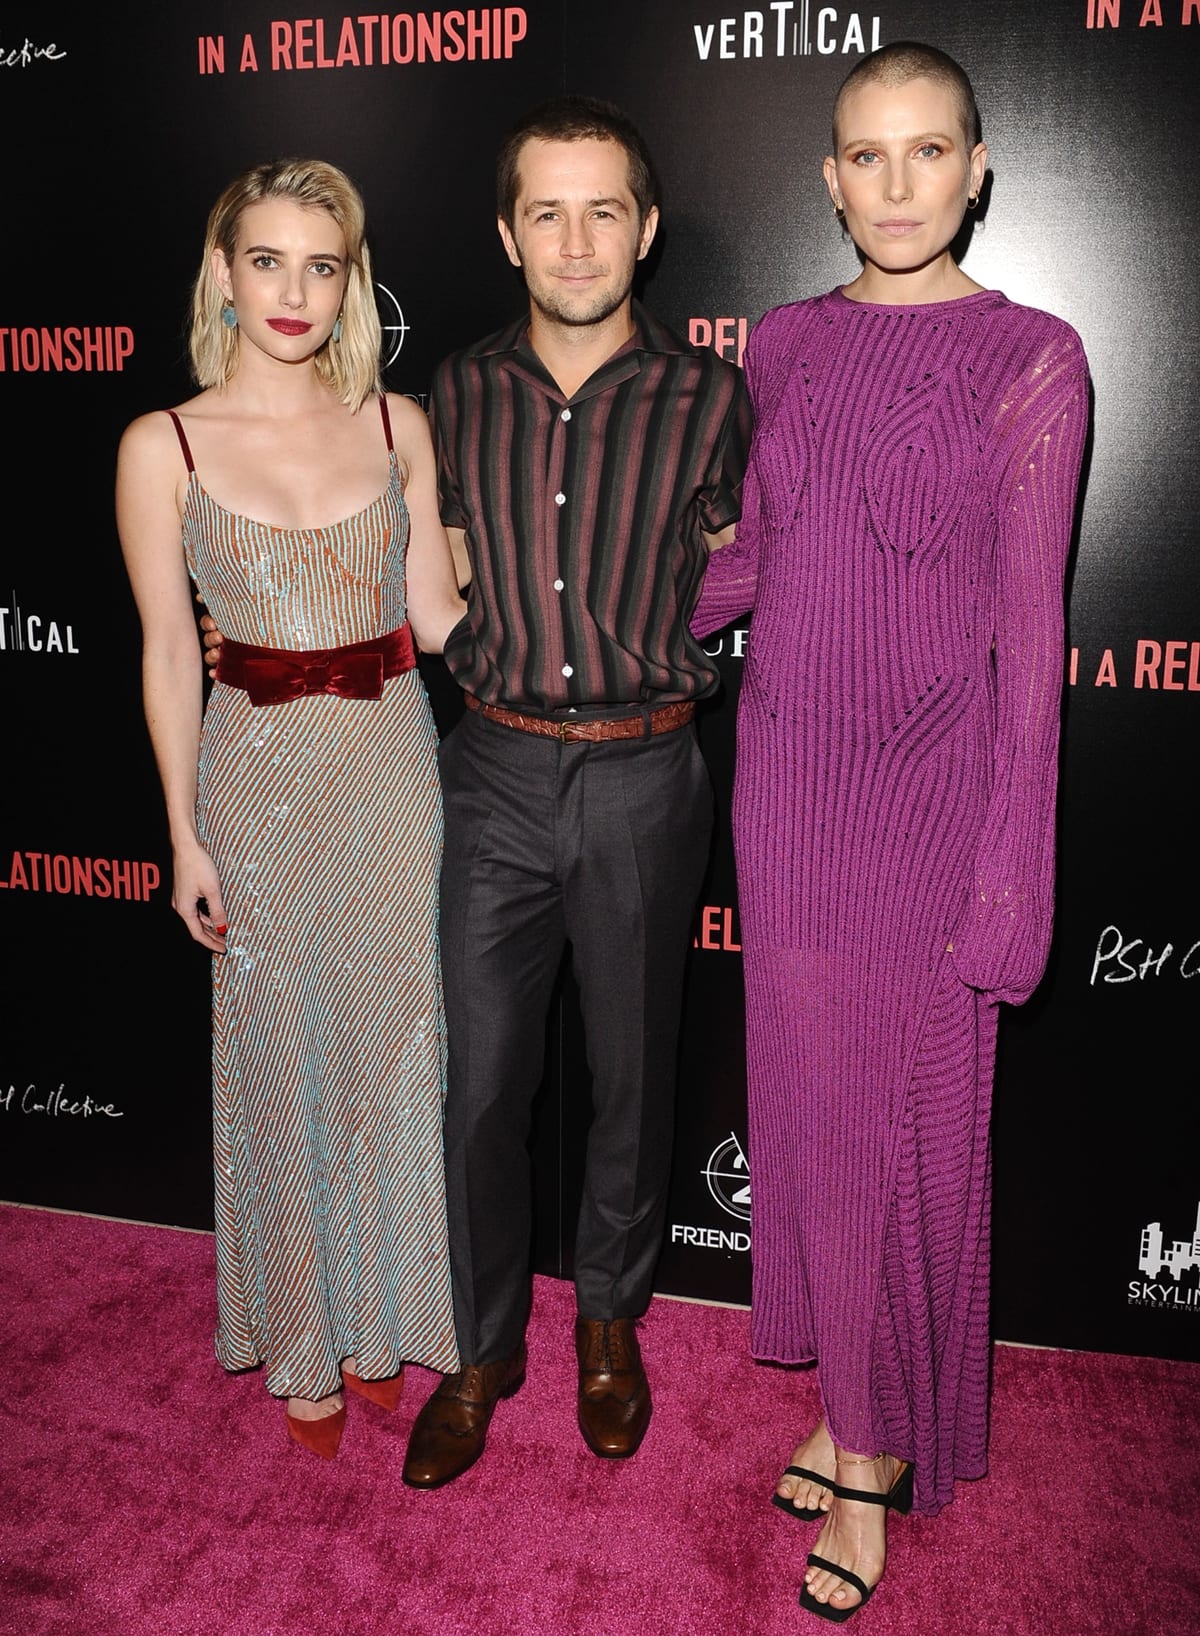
[
  {"x": 349, "y": 675},
  {"x": 275, "y": 675}
]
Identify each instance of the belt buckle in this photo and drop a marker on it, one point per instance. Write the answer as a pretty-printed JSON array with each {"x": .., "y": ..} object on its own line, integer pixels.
[{"x": 564, "y": 729}]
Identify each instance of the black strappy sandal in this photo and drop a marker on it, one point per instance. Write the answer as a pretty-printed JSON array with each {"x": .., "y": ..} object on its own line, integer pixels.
[
  {"x": 898, "y": 1498},
  {"x": 824, "y": 1610},
  {"x": 806, "y": 1513}
]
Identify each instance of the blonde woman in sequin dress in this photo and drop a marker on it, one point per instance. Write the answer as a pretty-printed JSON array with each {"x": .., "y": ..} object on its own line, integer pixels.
[{"x": 299, "y": 502}]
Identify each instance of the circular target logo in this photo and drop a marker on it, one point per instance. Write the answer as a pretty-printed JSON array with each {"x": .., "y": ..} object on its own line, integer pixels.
[
  {"x": 391, "y": 318},
  {"x": 728, "y": 1176}
]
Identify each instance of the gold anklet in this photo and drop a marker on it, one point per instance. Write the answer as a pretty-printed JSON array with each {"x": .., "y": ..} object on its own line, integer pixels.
[{"x": 845, "y": 1459}]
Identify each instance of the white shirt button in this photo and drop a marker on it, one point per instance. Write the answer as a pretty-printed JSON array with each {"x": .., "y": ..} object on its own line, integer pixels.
[
  {"x": 566, "y": 415},
  {"x": 560, "y": 499},
  {"x": 568, "y": 670},
  {"x": 558, "y": 585}
]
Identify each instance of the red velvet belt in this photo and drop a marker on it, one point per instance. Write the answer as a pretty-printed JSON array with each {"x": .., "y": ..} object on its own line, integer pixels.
[{"x": 357, "y": 671}]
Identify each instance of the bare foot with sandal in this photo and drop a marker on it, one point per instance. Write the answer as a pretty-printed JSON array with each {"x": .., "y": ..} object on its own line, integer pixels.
[
  {"x": 805, "y": 1490},
  {"x": 848, "y": 1559}
]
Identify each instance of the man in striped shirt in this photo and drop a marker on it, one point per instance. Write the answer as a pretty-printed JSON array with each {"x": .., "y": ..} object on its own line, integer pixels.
[{"x": 588, "y": 460}]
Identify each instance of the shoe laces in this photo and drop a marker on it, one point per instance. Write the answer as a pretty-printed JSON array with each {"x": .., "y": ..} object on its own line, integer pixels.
[{"x": 615, "y": 1352}]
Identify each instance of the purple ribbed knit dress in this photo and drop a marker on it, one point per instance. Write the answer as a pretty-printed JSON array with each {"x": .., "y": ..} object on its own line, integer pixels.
[{"x": 907, "y": 516}]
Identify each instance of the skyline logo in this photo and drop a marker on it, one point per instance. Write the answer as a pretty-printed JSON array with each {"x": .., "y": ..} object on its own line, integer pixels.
[{"x": 1170, "y": 1271}]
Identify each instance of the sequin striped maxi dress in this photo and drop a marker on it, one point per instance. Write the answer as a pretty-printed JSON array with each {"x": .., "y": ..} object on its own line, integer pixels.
[
  {"x": 907, "y": 513},
  {"x": 323, "y": 817}
]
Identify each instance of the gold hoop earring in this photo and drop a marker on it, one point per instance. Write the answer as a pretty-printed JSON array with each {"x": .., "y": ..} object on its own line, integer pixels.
[
  {"x": 839, "y": 210},
  {"x": 972, "y": 200}
]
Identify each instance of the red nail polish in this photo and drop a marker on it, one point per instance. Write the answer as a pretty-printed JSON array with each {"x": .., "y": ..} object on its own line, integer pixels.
[{"x": 220, "y": 930}]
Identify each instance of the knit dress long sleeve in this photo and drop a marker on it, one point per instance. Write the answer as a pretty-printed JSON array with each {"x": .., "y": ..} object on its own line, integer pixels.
[{"x": 907, "y": 517}]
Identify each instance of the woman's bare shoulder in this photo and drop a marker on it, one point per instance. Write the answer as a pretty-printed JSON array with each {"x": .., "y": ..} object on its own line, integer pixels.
[
  {"x": 410, "y": 430},
  {"x": 406, "y": 415},
  {"x": 155, "y": 428}
]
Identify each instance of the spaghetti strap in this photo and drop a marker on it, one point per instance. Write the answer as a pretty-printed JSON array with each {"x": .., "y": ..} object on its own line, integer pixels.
[
  {"x": 183, "y": 442},
  {"x": 387, "y": 422}
]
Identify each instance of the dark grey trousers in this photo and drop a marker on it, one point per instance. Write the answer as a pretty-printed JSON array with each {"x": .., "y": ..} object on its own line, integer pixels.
[{"x": 602, "y": 847}]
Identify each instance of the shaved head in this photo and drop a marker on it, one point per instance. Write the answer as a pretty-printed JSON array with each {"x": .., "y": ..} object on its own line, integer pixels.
[{"x": 906, "y": 60}]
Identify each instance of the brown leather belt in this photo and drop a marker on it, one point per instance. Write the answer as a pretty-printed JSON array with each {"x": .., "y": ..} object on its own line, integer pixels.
[{"x": 667, "y": 718}]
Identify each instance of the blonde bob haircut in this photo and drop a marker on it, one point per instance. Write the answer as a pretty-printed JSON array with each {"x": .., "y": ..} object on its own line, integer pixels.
[{"x": 349, "y": 365}]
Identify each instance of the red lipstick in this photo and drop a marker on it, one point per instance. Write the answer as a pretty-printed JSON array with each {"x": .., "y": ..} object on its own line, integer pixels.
[{"x": 289, "y": 326}]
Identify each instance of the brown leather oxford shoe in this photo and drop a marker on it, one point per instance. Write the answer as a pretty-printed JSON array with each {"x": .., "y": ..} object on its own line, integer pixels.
[
  {"x": 449, "y": 1433},
  {"x": 614, "y": 1394}
]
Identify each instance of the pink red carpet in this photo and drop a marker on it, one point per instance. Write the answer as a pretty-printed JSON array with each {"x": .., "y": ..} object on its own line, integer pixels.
[{"x": 145, "y": 1493}]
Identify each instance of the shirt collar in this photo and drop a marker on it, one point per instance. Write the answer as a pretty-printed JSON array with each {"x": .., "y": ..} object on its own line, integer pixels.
[
  {"x": 648, "y": 336},
  {"x": 511, "y": 348}
]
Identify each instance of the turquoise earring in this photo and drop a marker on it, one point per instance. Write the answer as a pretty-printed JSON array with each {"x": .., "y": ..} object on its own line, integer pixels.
[
  {"x": 228, "y": 316},
  {"x": 337, "y": 328}
]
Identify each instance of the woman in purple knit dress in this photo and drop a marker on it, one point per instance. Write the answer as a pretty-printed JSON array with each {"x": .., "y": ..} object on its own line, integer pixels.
[{"x": 907, "y": 517}]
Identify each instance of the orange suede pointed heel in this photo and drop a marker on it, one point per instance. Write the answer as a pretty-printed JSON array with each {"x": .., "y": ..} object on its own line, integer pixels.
[
  {"x": 321, "y": 1436},
  {"x": 386, "y": 1393}
]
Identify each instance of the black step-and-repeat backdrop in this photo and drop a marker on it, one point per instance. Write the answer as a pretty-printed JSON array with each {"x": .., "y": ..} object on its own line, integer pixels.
[{"x": 121, "y": 128}]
